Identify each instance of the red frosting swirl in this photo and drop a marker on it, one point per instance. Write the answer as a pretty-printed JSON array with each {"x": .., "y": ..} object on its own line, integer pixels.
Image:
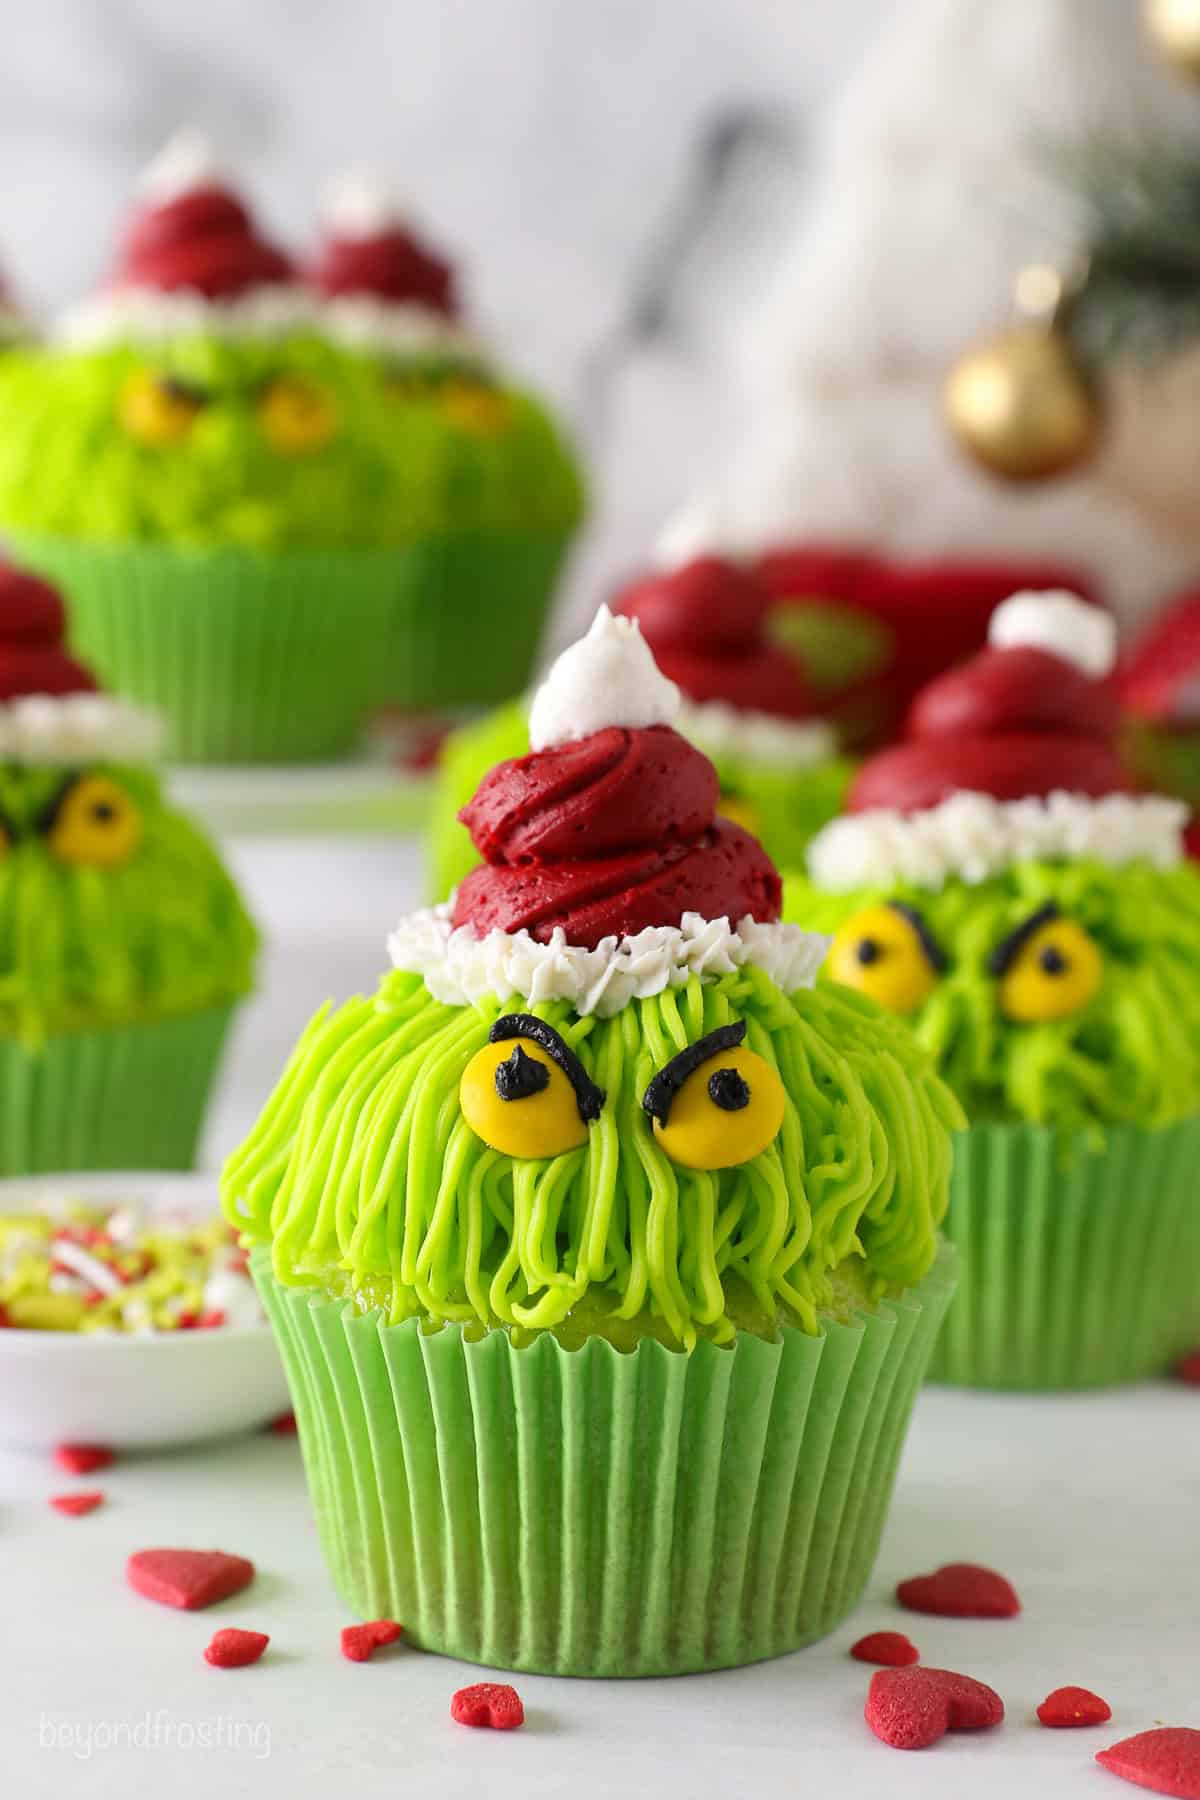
[
  {"x": 204, "y": 242},
  {"x": 390, "y": 265},
  {"x": 605, "y": 837},
  {"x": 32, "y": 657},
  {"x": 1015, "y": 723},
  {"x": 706, "y": 624}
]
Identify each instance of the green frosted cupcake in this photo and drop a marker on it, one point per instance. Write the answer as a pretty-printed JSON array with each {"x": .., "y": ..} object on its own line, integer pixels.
[
  {"x": 233, "y": 485},
  {"x": 124, "y": 947},
  {"x": 602, "y": 1250},
  {"x": 1040, "y": 930}
]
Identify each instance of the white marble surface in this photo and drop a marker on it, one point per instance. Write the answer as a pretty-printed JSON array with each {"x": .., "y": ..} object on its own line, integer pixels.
[{"x": 557, "y": 148}]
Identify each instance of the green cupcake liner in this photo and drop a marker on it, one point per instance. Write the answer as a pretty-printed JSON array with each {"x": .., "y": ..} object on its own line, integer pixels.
[
  {"x": 1080, "y": 1264},
  {"x": 118, "y": 1097},
  {"x": 468, "y": 612},
  {"x": 595, "y": 1513},
  {"x": 250, "y": 656}
]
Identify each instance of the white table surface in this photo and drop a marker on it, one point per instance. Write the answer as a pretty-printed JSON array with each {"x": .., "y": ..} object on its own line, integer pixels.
[{"x": 1089, "y": 1505}]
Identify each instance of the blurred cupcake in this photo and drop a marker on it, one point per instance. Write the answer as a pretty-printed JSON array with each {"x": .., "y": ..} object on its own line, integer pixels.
[
  {"x": 745, "y": 703},
  {"x": 1160, "y": 700},
  {"x": 577, "y": 1302},
  {"x": 996, "y": 884},
  {"x": 124, "y": 946},
  {"x": 484, "y": 494},
  {"x": 204, "y": 474}
]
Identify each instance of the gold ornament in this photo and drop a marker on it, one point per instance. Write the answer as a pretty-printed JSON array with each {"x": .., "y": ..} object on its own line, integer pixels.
[
  {"x": 1173, "y": 27},
  {"x": 1021, "y": 405}
]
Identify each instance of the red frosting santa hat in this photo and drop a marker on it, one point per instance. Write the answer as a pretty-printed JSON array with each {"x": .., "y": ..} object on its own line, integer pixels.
[
  {"x": 50, "y": 709},
  {"x": 191, "y": 258},
  {"x": 383, "y": 286},
  {"x": 1008, "y": 757}
]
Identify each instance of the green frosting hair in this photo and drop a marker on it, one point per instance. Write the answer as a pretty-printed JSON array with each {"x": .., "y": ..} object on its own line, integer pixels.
[
  {"x": 400, "y": 465},
  {"x": 786, "y": 807},
  {"x": 366, "y": 1178},
  {"x": 164, "y": 935},
  {"x": 1130, "y": 1056}
]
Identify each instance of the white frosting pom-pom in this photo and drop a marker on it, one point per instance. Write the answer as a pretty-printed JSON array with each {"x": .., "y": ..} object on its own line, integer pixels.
[
  {"x": 693, "y": 531},
  {"x": 359, "y": 204},
  {"x": 186, "y": 162},
  {"x": 1060, "y": 623},
  {"x": 608, "y": 678}
]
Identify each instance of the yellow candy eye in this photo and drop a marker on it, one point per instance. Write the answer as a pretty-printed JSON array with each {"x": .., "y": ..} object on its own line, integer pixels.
[
  {"x": 887, "y": 953},
  {"x": 95, "y": 824},
  {"x": 526, "y": 1093},
  {"x": 475, "y": 408},
  {"x": 157, "y": 409},
  {"x": 1049, "y": 968},
  {"x": 296, "y": 415},
  {"x": 716, "y": 1104}
]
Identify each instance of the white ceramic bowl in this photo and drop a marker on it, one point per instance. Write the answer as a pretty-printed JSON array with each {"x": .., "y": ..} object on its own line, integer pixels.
[{"x": 133, "y": 1392}]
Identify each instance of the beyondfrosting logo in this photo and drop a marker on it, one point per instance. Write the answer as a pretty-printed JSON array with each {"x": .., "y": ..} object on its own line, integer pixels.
[{"x": 84, "y": 1738}]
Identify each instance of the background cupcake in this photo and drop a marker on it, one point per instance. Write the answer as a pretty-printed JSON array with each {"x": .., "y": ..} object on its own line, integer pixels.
[
  {"x": 578, "y": 1300},
  {"x": 207, "y": 476},
  {"x": 997, "y": 885},
  {"x": 745, "y": 703},
  {"x": 124, "y": 947},
  {"x": 484, "y": 493}
]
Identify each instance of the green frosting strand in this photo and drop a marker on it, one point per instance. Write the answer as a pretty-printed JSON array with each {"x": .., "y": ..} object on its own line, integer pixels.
[
  {"x": 789, "y": 805},
  {"x": 165, "y": 934},
  {"x": 1131, "y": 1056},
  {"x": 398, "y": 468},
  {"x": 364, "y": 1175}
]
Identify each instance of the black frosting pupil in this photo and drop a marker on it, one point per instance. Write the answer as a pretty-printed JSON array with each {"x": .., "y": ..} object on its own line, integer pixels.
[
  {"x": 1053, "y": 961},
  {"x": 103, "y": 812},
  {"x": 519, "y": 1076},
  {"x": 729, "y": 1090},
  {"x": 869, "y": 951}
]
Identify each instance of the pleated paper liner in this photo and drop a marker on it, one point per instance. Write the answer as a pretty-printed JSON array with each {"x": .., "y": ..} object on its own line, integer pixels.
[
  {"x": 1080, "y": 1263},
  {"x": 118, "y": 1097},
  {"x": 250, "y": 656},
  {"x": 468, "y": 611},
  {"x": 595, "y": 1513}
]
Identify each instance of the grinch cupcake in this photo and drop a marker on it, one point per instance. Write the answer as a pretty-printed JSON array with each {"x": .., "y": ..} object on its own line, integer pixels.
[
  {"x": 602, "y": 1250},
  {"x": 124, "y": 947},
  {"x": 484, "y": 493},
  {"x": 1038, "y": 926},
  {"x": 745, "y": 704},
  {"x": 207, "y": 476}
]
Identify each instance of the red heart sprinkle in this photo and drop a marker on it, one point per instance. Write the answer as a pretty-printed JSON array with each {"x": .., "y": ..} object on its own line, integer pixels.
[
  {"x": 81, "y": 1459},
  {"x": 75, "y": 1505},
  {"x": 359, "y": 1641},
  {"x": 284, "y": 1425},
  {"x": 489, "y": 1703},
  {"x": 1166, "y": 1761},
  {"x": 911, "y": 1708},
  {"x": 960, "y": 1591},
  {"x": 234, "y": 1649},
  {"x": 891, "y": 1648},
  {"x": 1068, "y": 1706},
  {"x": 1188, "y": 1368},
  {"x": 190, "y": 1579}
]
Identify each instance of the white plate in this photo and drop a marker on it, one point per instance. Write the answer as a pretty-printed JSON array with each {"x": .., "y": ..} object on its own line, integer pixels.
[
  {"x": 133, "y": 1392},
  {"x": 367, "y": 799}
]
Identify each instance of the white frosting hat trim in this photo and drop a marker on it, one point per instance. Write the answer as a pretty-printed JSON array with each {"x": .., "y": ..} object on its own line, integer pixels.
[
  {"x": 721, "y": 730},
  {"x": 63, "y": 730},
  {"x": 459, "y": 967},
  {"x": 148, "y": 315},
  {"x": 971, "y": 836},
  {"x": 1058, "y": 622},
  {"x": 608, "y": 678}
]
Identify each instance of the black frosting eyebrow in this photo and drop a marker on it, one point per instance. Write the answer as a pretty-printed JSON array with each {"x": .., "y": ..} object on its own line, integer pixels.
[
  {"x": 47, "y": 816},
  {"x": 588, "y": 1097},
  {"x": 666, "y": 1084},
  {"x": 934, "y": 954},
  {"x": 1005, "y": 954}
]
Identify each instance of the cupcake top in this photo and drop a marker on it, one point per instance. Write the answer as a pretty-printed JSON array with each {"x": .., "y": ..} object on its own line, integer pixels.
[
  {"x": 212, "y": 393},
  {"x": 705, "y": 618},
  {"x": 113, "y": 907},
  {"x": 996, "y": 881},
  {"x": 597, "y": 1093}
]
